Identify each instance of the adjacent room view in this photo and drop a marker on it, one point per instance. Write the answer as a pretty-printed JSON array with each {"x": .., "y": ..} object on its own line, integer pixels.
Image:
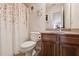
[{"x": 39, "y": 29}]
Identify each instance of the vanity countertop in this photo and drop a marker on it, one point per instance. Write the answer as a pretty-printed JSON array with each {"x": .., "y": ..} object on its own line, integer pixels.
[{"x": 64, "y": 31}]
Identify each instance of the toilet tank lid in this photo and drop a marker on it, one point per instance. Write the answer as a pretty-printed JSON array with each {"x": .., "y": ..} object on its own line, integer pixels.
[
  {"x": 28, "y": 44},
  {"x": 35, "y": 32}
]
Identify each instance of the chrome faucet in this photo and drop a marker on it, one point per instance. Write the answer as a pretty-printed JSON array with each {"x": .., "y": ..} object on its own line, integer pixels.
[{"x": 58, "y": 27}]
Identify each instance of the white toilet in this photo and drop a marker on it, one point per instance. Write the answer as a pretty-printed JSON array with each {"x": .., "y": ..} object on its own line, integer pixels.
[{"x": 28, "y": 46}]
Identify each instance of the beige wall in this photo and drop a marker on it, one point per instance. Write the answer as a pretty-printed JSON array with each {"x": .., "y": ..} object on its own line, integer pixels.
[
  {"x": 37, "y": 18},
  {"x": 67, "y": 15},
  {"x": 75, "y": 15},
  {"x": 71, "y": 15}
]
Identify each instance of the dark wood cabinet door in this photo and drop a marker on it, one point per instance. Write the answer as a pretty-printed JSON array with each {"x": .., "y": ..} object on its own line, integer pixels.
[
  {"x": 48, "y": 48},
  {"x": 69, "y": 45},
  {"x": 69, "y": 50}
]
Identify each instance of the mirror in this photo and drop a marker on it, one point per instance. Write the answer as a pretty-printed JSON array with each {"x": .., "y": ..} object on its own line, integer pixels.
[
  {"x": 54, "y": 16},
  {"x": 61, "y": 15}
]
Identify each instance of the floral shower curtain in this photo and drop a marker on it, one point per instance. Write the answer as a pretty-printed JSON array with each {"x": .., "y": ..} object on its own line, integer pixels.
[
  {"x": 12, "y": 28},
  {"x": 2, "y": 29},
  {"x": 19, "y": 26}
]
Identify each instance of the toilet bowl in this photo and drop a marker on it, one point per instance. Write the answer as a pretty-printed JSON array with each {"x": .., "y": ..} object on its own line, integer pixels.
[{"x": 28, "y": 46}]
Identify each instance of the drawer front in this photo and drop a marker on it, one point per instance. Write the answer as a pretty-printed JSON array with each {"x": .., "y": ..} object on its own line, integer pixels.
[
  {"x": 71, "y": 39},
  {"x": 48, "y": 37}
]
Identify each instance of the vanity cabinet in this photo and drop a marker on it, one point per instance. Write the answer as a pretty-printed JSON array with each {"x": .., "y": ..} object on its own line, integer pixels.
[{"x": 59, "y": 44}]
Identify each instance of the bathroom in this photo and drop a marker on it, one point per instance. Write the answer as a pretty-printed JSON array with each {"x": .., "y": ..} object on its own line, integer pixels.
[{"x": 21, "y": 22}]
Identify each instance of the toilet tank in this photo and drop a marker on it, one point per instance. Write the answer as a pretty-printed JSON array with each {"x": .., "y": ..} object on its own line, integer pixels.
[{"x": 35, "y": 36}]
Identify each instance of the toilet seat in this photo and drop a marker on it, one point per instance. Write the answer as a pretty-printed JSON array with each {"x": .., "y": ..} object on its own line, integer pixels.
[{"x": 28, "y": 44}]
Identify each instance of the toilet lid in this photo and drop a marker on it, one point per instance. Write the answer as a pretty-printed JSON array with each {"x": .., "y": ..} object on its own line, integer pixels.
[{"x": 28, "y": 44}]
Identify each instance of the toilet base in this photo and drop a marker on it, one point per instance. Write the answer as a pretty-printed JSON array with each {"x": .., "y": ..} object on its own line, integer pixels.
[{"x": 28, "y": 53}]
